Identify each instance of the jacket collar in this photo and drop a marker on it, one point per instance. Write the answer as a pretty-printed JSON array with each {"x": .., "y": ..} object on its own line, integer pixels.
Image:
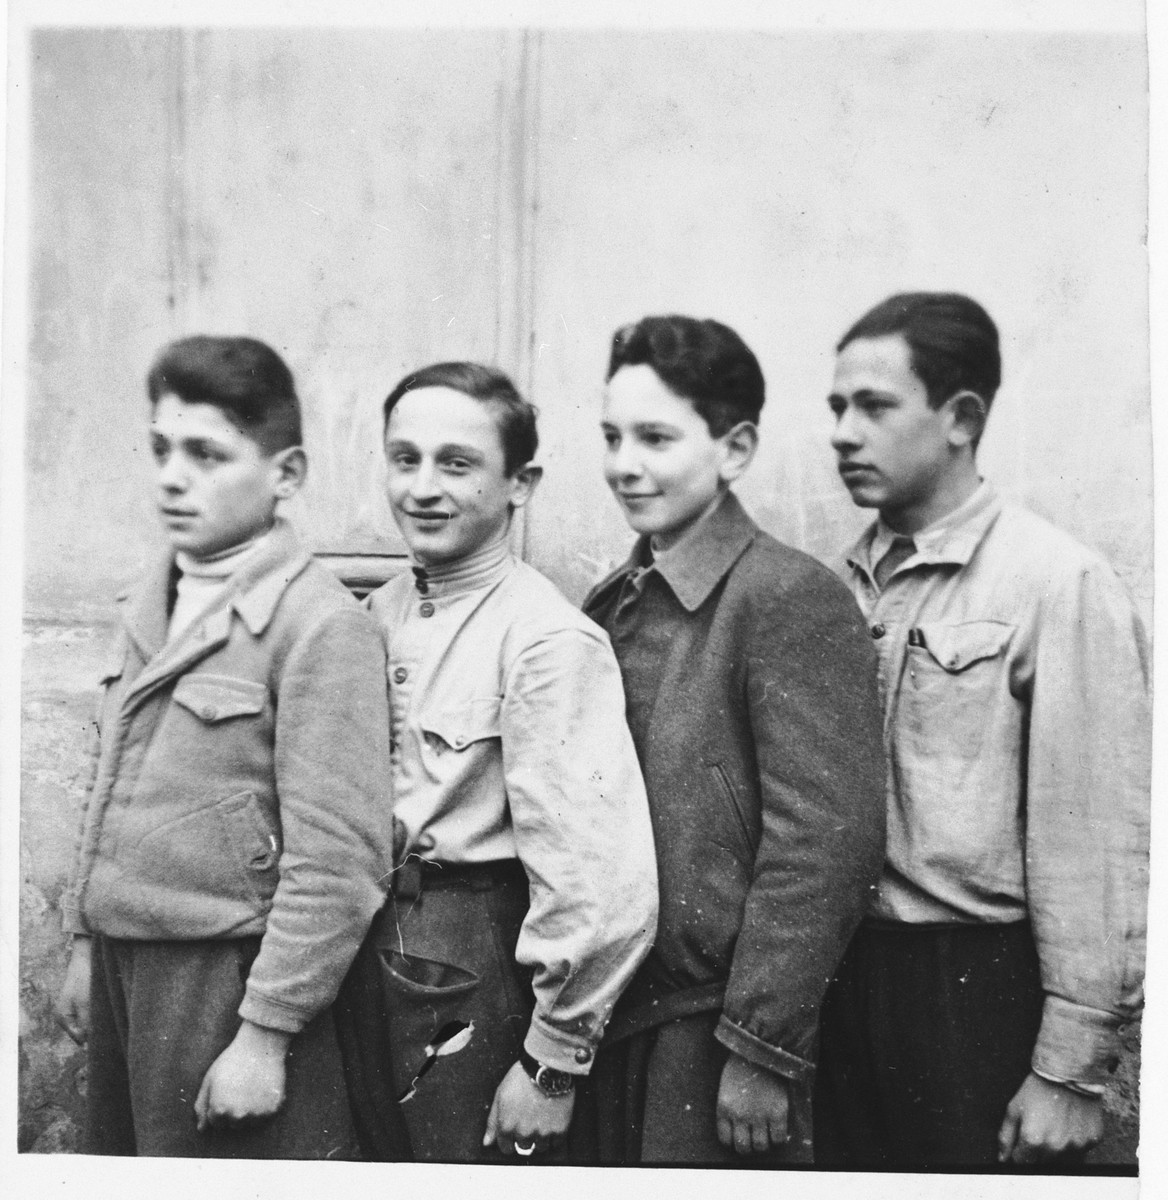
[
  {"x": 951, "y": 540},
  {"x": 253, "y": 593},
  {"x": 698, "y": 563}
]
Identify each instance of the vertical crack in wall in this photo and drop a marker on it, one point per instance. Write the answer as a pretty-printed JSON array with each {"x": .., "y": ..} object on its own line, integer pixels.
[{"x": 516, "y": 208}]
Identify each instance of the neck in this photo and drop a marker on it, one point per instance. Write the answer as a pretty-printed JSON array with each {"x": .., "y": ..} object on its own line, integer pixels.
[
  {"x": 487, "y": 555},
  {"x": 949, "y": 496}
]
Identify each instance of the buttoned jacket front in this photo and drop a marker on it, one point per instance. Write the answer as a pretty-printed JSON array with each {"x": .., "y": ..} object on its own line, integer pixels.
[
  {"x": 764, "y": 769},
  {"x": 242, "y": 780}
]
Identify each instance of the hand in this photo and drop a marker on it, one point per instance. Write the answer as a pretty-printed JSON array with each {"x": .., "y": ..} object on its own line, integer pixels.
[
  {"x": 752, "y": 1107},
  {"x": 521, "y": 1113},
  {"x": 72, "y": 1008},
  {"x": 1046, "y": 1120},
  {"x": 245, "y": 1083}
]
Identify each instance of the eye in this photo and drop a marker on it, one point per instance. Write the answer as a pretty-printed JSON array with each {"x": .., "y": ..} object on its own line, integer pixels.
[
  {"x": 611, "y": 438},
  {"x": 837, "y": 406},
  {"x": 403, "y": 460},
  {"x": 651, "y": 437},
  {"x": 160, "y": 450},
  {"x": 456, "y": 466}
]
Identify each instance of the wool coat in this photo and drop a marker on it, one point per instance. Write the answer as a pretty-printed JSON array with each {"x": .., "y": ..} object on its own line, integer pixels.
[{"x": 761, "y": 750}]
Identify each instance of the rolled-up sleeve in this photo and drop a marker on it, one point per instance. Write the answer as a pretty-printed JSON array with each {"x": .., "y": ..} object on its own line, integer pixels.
[
  {"x": 1087, "y": 810},
  {"x": 582, "y": 830}
]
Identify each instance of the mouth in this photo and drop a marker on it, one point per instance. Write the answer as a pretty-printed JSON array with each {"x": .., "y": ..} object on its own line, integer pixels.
[
  {"x": 177, "y": 514},
  {"x": 849, "y": 471},
  {"x": 633, "y": 497},
  {"x": 427, "y": 518}
]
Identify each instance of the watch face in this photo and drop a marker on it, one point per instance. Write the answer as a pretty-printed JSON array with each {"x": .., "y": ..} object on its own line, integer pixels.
[{"x": 554, "y": 1083}]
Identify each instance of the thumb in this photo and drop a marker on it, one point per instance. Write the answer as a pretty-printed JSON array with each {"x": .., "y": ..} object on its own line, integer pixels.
[
  {"x": 1008, "y": 1134},
  {"x": 492, "y": 1122}
]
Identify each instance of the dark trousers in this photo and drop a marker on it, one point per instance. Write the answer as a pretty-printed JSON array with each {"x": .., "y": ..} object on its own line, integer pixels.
[
  {"x": 652, "y": 1098},
  {"x": 925, "y": 1036},
  {"x": 440, "y": 957},
  {"x": 160, "y": 1014}
]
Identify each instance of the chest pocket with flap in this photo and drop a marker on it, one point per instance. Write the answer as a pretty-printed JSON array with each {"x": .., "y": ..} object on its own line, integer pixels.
[
  {"x": 457, "y": 728},
  {"x": 956, "y": 647},
  {"x": 220, "y": 697}
]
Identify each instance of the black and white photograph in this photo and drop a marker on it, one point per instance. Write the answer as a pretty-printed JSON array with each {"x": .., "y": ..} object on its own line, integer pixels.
[{"x": 580, "y": 595}]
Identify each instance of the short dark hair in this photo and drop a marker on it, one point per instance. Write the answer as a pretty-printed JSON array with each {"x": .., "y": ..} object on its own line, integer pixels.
[
  {"x": 242, "y": 376},
  {"x": 514, "y": 416},
  {"x": 703, "y": 362},
  {"x": 952, "y": 341}
]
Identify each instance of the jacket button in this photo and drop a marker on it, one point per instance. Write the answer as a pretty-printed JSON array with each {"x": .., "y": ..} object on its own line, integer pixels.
[
  {"x": 426, "y": 609},
  {"x": 583, "y": 1055},
  {"x": 877, "y": 630},
  {"x": 460, "y": 740},
  {"x": 400, "y": 675}
]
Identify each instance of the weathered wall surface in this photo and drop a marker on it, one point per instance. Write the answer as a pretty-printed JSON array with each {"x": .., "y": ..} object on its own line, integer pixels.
[{"x": 368, "y": 201}]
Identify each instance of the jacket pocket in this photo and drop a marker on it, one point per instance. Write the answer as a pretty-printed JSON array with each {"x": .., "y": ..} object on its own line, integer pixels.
[
  {"x": 220, "y": 697},
  {"x": 224, "y": 853},
  {"x": 748, "y": 842},
  {"x": 457, "y": 728}
]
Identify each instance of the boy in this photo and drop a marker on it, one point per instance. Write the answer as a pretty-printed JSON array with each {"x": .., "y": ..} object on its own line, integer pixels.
[
  {"x": 232, "y": 844},
  {"x": 752, "y": 702},
  {"x": 974, "y": 1019},
  {"x": 527, "y": 896}
]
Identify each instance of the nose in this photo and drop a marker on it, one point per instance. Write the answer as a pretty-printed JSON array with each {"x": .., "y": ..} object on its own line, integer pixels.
[
  {"x": 623, "y": 461},
  {"x": 845, "y": 435},
  {"x": 424, "y": 487},
  {"x": 172, "y": 474}
]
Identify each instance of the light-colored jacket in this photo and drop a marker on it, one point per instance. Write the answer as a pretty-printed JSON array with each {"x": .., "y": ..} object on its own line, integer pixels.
[
  {"x": 242, "y": 781},
  {"x": 1015, "y": 678}
]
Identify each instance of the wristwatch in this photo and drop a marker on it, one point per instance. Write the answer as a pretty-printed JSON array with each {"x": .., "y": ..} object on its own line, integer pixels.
[{"x": 549, "y": 1081}]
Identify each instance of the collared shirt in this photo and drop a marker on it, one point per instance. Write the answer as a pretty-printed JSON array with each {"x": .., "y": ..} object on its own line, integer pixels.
[
  {"x": 1014, "y": 675},
  {"x": 509, "y": 741}
]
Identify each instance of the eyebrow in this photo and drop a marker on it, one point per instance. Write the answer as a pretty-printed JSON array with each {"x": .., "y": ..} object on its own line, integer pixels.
[
  {"x": 198, "y": 442},
  {"x": 449, "y": 449},
  {"x": 862, "y": 394}
]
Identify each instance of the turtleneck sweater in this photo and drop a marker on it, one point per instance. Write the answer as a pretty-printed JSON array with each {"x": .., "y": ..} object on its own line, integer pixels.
[{"x": 202, "y": 580}]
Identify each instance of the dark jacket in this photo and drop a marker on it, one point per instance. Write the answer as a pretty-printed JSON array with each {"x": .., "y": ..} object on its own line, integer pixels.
[
  {"x": 765, "y": 771},
  {"x": 243, "y": 780}
]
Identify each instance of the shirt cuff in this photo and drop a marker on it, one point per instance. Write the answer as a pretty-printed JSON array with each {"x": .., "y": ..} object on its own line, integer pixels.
[
  {"x": 746, "y": 1045},
  {"x": 559, "y": 1050},
  {"x": 1076, "y": 1045}
]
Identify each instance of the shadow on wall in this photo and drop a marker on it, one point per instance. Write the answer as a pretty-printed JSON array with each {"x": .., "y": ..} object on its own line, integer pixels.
[{"x": 61, "y": 663}]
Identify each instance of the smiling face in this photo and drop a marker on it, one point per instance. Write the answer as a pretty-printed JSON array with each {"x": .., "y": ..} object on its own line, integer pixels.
[
  {"x": 447, "y": 487},
  {"x": 216, "y": 487},
  {"x": 662, "y": 463},
  {"x": 895, "y": 452}
]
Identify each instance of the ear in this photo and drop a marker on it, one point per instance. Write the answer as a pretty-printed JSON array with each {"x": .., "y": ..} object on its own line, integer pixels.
[
  {"x": 289, "y": 469},
  {"x": 523, "y": 484},
  {"x": 739, "y": 445},
  {"x": 969, "y": 418}
]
